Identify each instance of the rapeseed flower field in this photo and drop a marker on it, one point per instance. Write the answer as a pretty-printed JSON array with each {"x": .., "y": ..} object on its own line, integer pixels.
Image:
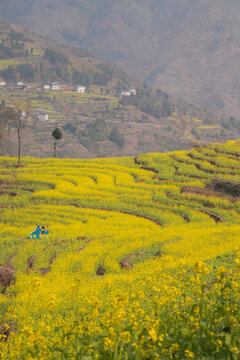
[{"x": 142, "y": 259}]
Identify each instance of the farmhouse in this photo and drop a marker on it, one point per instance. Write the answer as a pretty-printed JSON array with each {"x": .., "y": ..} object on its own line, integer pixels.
[
  {"x": 20, "y": 83},
  {"x": 80, "y": 88},
  {"x": 46, "y": 87},
  {"x": 2, "y": 83},
  {"x": 43, "y": 117},
  {"x": 55, "y": 86},
  {"x": 128, "y": 92}
]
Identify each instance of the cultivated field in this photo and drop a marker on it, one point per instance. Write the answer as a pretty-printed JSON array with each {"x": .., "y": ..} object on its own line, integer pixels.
[{"x": 142, "y": 259}]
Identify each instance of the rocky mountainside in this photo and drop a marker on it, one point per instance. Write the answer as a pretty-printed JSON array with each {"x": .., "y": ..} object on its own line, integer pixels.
[{"x": 188, "y": 48}]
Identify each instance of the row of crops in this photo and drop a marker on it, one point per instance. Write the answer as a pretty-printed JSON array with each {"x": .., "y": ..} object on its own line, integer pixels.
[{"x": 142, "y": 259}]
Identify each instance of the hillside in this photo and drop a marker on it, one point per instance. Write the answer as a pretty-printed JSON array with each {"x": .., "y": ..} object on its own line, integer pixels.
[
  {"x": 141, "y": 259},
  {"x": 26, "y": 56},
  {"x": 187, "y": 48},
  {"x": 97, "y": 122}
]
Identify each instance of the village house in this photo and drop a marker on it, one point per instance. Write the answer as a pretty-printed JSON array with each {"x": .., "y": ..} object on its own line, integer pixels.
[
  {"x": 2, "y": 83},
  {"x": 55, "y": 86},
  {"x": 46, "y": 87},
  {"x": 128, "y": 92},
  {"x": 43, "y": 117},
  {"x": 20, "y": 83},
  {"x": 80, "y": 89}
]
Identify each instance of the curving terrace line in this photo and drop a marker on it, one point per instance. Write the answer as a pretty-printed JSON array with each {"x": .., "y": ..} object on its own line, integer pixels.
[
  {"x": 145, "y": 167},
  {"x": 212, "y": 162},
  {"x": 212, "y": 215},
  {"x": 138, "y": 162},
  {"x": 227, "y": 152},
  {"x": 199, "y": 167},
  {"x": 117, "y": 211}
]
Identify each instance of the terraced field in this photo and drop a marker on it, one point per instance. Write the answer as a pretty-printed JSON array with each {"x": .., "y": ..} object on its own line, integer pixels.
[
  {"x": 141, "y": 261},
  {"x": 64, "y": 97}
]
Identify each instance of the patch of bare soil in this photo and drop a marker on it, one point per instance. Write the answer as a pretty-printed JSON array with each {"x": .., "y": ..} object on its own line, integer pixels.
[
  {"x": 6, "y": 330},
  {"x": 215, "y": 217},
  {"x": 125, "y": 263},
  {"x": 28, "y": 189},
  {"x": 52, "y": 258},
  {"x": 30, "y": 263},
  {"x": 227, "y": 187},
  {"x": 44, "y": 271},
  {"x": 9, "y": 193},
  {"x": 100, "y": 271},
  {"x": 85, "y": 245},
  {"x": 219, "y": 188},
  {"x": 7, "y": 276},
  {"x": 10, "y": 259}
]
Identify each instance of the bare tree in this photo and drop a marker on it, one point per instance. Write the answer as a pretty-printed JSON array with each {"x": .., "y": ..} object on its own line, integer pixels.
[
  {"x": 3, "y": 122},
  {"x": 18, "y": 113}
]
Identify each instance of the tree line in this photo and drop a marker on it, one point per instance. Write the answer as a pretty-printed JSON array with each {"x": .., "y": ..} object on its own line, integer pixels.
[
  {"x": 152, "y": 102},
  {"x": 56, "y": 66}
]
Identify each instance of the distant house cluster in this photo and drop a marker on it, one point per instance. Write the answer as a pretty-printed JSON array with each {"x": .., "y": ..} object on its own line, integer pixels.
[
  {"x": 55, "y": 86},
  {"x": 127, "y": 92},
  {"x": 19, "y": 84},
  {"x": 80, "y": 89},
  {"x": 40, "y": 117},
  {"x": 43, "y": 117}
]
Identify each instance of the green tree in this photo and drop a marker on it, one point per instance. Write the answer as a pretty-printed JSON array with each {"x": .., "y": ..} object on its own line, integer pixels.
[
  {"x": 116, "y": 137},
  {"x": 57, "y": 134}
]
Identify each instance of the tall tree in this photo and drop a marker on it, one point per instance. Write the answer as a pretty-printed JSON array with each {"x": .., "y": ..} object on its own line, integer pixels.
[
  {"x": 18, "y": 113},
  {"x": 57, "y": 134}
]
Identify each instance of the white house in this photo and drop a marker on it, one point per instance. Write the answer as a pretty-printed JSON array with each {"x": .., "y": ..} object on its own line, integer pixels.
[
  {"x": 43, "y": 117},
  {"x": 20, "y": 83},
  {"x": 80, "y": 88},
  {"x": 24, "y": 115},
  {"x": 55, "y": 86},
  {"x": 2, "y": 83},
  {"x": 46, "y": 87},
  {"x": 128, "y": 92}
]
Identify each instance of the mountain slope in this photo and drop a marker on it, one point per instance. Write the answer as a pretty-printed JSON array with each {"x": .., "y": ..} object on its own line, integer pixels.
[
  {"x": 190, "y": 49},
  {"x": 96, "y": 122}
]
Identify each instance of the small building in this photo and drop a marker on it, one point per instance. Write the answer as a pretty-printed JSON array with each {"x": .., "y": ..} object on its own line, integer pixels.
[
  {"x": 2, "y": 83},
  {"x": 80, "y": 89},
  {"x": 55, "y": 86},
  {"x": 46, "y": 87},
  {"x": 43, "y": 117},
  {"x": 24, "y": 115},
  {"x": 128, "y": 92},
  {"x": 20, "y": 83}
]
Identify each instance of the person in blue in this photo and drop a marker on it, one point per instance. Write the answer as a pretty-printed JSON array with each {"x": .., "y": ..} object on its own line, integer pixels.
[
  {"x": 39, "y": 230},
  {"x": 44, "y": 231}
]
